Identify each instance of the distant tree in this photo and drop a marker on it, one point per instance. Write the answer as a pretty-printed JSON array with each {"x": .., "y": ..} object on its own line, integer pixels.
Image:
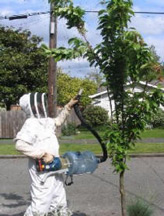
[
  {"x": 158, "y": 64},
  {"x": 23, "y": 68},
  {"x": 23, "y": 65},
  {"x": 154, "y": 53},
  {"x": 69, "y": 86},
  {"x": 163, "y": 69},
  {"x": 96, "y": 77}
]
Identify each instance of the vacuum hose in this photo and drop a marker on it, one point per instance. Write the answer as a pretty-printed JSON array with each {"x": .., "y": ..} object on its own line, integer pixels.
[{"x": 86, "y": 125}]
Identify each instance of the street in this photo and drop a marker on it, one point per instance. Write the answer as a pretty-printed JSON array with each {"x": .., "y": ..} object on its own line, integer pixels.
[{"x": 90, "y": 195}]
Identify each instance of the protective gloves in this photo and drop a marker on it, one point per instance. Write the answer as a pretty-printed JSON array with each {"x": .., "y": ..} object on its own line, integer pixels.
[
  {"x": 48, "y": 158},
  {"x": 72, "y": 102}
]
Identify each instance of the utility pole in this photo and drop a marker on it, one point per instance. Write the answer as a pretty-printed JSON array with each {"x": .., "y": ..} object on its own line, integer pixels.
[{"x": 52, "y": 69}]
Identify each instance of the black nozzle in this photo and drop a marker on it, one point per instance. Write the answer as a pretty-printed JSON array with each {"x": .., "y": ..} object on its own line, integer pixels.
[{"x": 78, "y": 96}]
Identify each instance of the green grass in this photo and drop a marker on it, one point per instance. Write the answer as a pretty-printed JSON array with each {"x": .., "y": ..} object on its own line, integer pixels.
[
  {"x": 96, "y": 149},
  {"x": 81, "y": 135},
  {"x": 148, "y": 148},
  {"x": 9, "y": 149},
  {"x": 153, "y": 133},
  {"x": 7, "y": 146}
]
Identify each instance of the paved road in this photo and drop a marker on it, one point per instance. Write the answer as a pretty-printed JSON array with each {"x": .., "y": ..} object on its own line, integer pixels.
[{"x": 90, "y": 195}]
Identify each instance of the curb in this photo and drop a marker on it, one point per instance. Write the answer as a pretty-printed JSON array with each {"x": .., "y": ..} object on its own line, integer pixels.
[
  {"x": 12, "y": 156},
  {"x": 131, "y": 155}
]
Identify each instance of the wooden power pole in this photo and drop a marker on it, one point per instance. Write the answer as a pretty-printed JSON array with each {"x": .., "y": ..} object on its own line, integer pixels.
[{"x": 52, "y": 69}]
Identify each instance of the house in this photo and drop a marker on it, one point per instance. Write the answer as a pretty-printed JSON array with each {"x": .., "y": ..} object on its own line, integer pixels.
[{"x": 101, "y": 99}]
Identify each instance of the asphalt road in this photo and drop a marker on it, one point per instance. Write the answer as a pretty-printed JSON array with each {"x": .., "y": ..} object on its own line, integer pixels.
[{"x": 90, "y": 195}]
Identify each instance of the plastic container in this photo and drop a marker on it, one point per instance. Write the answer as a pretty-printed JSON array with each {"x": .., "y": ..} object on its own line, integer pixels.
[{"x": 81, "y": 162}]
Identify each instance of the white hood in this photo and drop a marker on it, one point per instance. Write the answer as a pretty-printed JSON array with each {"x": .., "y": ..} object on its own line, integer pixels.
[{"x": 34, "y": 104}]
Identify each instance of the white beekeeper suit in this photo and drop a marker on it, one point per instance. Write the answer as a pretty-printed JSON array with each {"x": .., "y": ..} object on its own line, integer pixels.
[{"x": 35, "y": 139}]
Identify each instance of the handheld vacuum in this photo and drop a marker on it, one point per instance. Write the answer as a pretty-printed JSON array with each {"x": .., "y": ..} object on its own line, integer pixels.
[{"x": 74, "y": 163}]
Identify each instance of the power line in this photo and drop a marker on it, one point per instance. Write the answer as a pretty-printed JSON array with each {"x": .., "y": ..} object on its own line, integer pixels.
[
  {"x": 139, "y": 12},
  {"x": 24, "y": 16},
  {"x": 148, "y": 12}
]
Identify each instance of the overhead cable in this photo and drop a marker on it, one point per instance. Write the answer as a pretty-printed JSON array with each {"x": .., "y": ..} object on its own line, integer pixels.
[{"x": 24, "y": 16}]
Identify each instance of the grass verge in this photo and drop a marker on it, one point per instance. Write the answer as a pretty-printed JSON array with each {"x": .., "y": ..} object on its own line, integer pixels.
[
  {"x": 153, "y": 133},
  {"x": 84, "y": 134},
  {"x": 9, "y": 149}
]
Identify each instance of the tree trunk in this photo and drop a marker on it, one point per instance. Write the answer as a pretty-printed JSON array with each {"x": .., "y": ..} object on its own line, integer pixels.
[{"x": 122, "y": 193}]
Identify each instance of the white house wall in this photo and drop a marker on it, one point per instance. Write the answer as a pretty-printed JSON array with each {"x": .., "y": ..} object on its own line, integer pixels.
[{"x": 102, "y": 100}]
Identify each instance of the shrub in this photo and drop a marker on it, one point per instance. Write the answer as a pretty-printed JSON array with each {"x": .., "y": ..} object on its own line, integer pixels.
[
  {"x": 158, "y": 119},
  {"x": 139, "y": 208},
  {"x": 96, "y": 116},
  {"x": 69, "y": 129}
]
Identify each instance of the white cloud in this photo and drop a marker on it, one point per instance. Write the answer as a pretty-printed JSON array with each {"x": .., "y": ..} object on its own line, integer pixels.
[
  {"x": 158, "y": 43},
  {"x": 77, "y": 67},
  {"x": 148, "y": 24},
  {"x": 151, "y": 27},
  {"x": 6, "y": 12}
]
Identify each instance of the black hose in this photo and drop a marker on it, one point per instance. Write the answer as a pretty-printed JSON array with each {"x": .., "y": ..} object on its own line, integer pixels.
[{"x": 86, "y": 125}]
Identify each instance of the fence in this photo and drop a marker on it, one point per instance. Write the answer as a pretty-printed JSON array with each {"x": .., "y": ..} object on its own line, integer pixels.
[{"x": 12, "y": 121}]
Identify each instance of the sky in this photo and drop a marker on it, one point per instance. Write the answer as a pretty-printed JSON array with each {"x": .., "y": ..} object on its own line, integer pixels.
[{"x": 151, "y": 27}]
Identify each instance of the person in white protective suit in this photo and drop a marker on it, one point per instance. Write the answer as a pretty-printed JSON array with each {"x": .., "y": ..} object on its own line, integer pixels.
[{"x": 37, "y": 139}]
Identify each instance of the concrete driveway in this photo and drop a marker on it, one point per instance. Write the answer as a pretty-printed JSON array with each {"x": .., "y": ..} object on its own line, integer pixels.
[{"x": 90, "y": 195}]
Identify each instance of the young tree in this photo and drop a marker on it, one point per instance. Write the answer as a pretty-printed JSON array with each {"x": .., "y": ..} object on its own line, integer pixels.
[
  {"x": 23, "y": 65},
  {"x": 123, "y": 58}
]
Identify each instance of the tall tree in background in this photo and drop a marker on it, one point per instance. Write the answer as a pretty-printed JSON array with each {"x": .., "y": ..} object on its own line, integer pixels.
[
  {"x": 69, "y": 86},
  {"x": 96, "y": 77},
  {"x": 24, "y": 68},
  {"x": 23, "y": 65},
  {"x": 159, "y": 64},
  {"x": 123, "y": 57}
]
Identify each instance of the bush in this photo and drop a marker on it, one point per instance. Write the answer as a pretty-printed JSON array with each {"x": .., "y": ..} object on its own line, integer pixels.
[
  {"x": 96, "y": 116},
  {"x": 69, "y": 129},
  {"x": 158, "y": 119},
  {"x": 139, "y": 208}
]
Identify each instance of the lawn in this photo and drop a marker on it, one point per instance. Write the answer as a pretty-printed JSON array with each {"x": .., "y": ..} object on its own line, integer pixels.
[
  {"x": 151, "y": 133},
  {"x": 7, "y": 146},
  {"x": 9, "y": 149}
]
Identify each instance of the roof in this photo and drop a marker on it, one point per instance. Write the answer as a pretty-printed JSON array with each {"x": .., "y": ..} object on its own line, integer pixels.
[{"x": 141, "y": 83}]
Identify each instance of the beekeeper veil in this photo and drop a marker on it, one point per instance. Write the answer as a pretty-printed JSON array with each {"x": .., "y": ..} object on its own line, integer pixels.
[{"x": 34, "y": 104}]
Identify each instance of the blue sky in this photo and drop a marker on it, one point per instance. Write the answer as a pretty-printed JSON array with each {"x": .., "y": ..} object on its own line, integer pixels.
[{"x": 151, "y": 27}]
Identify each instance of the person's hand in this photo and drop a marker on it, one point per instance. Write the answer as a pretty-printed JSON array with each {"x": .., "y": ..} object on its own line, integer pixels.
[
  {"x": 72, "y": 102},
  {"x": 48, "y": 158}
]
